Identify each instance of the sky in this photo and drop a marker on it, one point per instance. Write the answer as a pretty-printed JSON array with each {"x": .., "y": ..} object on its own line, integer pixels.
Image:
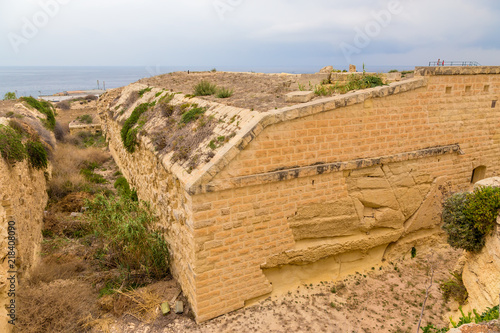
[{"x": 233, "y": 33}]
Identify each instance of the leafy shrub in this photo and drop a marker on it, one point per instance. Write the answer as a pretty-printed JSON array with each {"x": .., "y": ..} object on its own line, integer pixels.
[
  {"x": 44, "y": 107},
  {"x": 192, "y": 114},
  {"x": 454, "y": 288},
  {"x": 224, "y": 93},
  {"x": 85, "y": 119},
  {"x": 469, "y": 217},
  {"x": 128, "y": 238},
  {"x": 37, "y": 154},
  {"x": 11, "y": 146},
  {"x": 430, "y": 328},
  {"x": 204, "y": 88},
  {"x": 9, "y": 96},
  {"x": 129, "y": 135}
]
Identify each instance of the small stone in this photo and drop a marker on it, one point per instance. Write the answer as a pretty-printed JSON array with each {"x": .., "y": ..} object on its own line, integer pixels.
[
  {"x": 74, "y": 214},
  {"x": 299, "y": 96},
  {"x": 165, "y": 308},
  {"x": 179, "y": 307}
]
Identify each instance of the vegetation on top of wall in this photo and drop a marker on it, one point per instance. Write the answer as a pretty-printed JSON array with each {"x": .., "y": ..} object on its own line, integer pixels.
[
  {"x": 37, "y": 154},
  {"x": 469, "y": 217},
  {"x": 354, "y": 82},
  {"x": 85, "y": 119},
  {"x": 192, "y": 114},
  {"x": 44, "y": 107},
  {"x": 9, "y": 96},
  {"x": 128, "y": 133},
  {"x": 145, "y": 90},
  {"x": 11, "y": 145}
]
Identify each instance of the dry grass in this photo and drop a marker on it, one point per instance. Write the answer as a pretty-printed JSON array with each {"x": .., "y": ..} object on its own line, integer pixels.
[
  {"x": 55, "y": 306},
  {"x": 141, "y": 304},
  {"x": 68, "y": 160}
]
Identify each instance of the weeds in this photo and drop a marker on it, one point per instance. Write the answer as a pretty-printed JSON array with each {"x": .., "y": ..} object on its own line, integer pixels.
[
  {"x": 128, "y": 134},
  {"x": 128, "y": 238},
  {"x": 145, "y": 90},
  {"x": 192, "y": 114},
  {"x": 123, "y": 188},
  {"x": 11, "y": 146},
  {"x": 204, "y": 88},
  {"x": 454, "y": 288},
  {"x": 9, "y": 96},
  {"x": 88, "y": 173},
  {"x": 37, "y": 154},
  {"x": 224, "y": 93}
]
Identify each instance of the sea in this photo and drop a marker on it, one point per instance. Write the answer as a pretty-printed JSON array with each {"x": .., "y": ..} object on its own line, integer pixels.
[{"x": 36, "y": 81}]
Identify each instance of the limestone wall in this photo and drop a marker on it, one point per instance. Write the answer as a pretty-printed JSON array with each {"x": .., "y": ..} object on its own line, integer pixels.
[
  {"x": 321, "y": 189},
  {"x": 23, "y": 198}
]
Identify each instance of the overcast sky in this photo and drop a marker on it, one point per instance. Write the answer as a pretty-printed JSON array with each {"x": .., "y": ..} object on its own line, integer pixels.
[{"x": 247, "y": 32}]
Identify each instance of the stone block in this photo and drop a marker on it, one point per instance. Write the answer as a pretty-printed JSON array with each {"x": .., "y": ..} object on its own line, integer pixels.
[{"x": 299, "y": 97}]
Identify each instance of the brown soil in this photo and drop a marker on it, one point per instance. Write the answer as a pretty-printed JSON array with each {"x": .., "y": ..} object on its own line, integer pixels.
[{"x": 261, "y": 92}]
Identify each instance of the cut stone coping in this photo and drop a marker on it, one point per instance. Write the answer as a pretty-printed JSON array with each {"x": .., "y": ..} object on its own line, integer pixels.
[
  {"x": 299, "y": 96},
  {"x": 456, "y": 70},
  {"x": 250, "y": 130}
]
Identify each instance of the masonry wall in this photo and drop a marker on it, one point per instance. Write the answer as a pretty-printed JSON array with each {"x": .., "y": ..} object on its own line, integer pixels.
[
  {"x": 318, "y": 190},
  {"x": 23, "y": 198},
  {"x": 277, "y": 215},
  {"x": 167, "y": 197}
]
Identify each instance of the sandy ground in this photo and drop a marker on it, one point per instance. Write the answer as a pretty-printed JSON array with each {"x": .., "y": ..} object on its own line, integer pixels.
[{"x": 387, "y": 298}]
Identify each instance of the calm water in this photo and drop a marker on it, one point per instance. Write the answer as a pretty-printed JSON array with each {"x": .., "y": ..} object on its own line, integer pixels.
[{"x": 35, "y": 81}]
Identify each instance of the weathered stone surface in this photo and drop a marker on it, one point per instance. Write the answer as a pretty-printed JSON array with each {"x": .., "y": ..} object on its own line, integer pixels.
[
  {"x": 326, "y": 69},
  {"x": 165, "y": 308},
  {"x": 490, "y": 327},
  {"x": 179, "y": 307},
  {"x": 299, "y": 96},
  {"x": 352, "y": 69}
]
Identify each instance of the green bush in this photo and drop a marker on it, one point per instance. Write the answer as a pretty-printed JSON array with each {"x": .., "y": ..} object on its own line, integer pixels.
[
  {"x": 11, "y": 146},
  {"x": 88, "y": 173},
  {"x": 9, "y": 96},
  {"x": 129, "y": 240},
  {"x": 129, "y": 135},
  {"x": 37, "y": 154},
  {"x": 454, "y": 288},
  {"x": 224, "y": 93},
  {"x": 192, "y": 114},
  {"x": 469, "y": 217},
  {"x": 204, "y": 88},
  {"x": 123, "y": 188},
  {"x": 44, "y": 107}
]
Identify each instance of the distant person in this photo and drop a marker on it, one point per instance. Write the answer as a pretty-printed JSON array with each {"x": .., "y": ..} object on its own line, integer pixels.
[
  {"x": 439, "y": 61},
  {"x": 443, "y": 63}
]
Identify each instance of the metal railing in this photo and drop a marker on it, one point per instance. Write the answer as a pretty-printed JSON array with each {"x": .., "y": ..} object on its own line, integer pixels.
[{"x": 453, "y": 63}]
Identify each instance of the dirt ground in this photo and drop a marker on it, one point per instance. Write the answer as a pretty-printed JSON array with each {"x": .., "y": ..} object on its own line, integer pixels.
[
  {"x": 387, "y": 298},
  {"x": 261, "y": 92}
]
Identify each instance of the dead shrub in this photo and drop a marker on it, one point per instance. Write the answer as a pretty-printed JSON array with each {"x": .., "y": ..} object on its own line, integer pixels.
[
  {"x": 64, "y": 105},
  {"x": 60, "y": 132},
  {"x": 139, "y": 303},
  {"x": 57, "y": 268},
  {"x": 68, "y": 161},
  {"x": 58, "y": 306}
]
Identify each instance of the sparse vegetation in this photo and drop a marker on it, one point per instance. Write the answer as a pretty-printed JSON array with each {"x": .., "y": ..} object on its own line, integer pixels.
[
  {"x": 355, "y": 82},
  {"x": 469, "y": 217},
  {"x": 145, "y": 90},
  {"x": 123, "y": 188},
  {"x": 128, "y": 133},
  {"x": 204, "y": 88},
  {"x": 85, "y": 119},
  {"x": 192, "y": 114}
]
